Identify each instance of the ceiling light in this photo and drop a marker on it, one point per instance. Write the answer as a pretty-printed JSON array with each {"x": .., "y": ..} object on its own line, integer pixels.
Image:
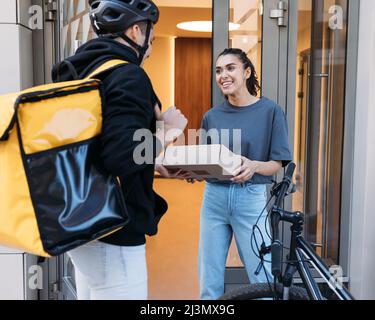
[{"x": 203, "y": 26}]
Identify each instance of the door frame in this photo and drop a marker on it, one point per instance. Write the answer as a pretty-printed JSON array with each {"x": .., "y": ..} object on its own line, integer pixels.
[
  {"x": 349, "y": 133},
  {"x": 278, "y": 57}
]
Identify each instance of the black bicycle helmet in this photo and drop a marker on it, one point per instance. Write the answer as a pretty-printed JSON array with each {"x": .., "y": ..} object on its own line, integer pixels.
[{"x": 113, "y": 17}]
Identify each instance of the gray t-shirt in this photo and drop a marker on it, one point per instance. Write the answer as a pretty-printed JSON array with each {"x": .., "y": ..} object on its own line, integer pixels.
[{"x": 263, "y": 129}]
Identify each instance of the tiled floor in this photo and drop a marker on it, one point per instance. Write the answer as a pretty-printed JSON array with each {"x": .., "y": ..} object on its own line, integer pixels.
[{"x": 173, "y": 253}]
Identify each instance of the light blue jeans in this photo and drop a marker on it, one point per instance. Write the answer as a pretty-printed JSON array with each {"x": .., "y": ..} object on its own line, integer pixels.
[
  {"x": 227, "y": 210},
  {"x": 107, "y": 272}
]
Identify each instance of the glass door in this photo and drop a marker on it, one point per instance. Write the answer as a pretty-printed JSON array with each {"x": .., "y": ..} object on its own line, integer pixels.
[{"x": 319, "y": 120}]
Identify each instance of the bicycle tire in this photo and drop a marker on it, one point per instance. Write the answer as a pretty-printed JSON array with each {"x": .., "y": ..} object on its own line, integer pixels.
[{"x": 263, "y": 291}]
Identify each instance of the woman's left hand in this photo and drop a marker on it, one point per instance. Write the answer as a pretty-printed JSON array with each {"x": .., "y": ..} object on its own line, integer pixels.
[{"x": 246, "y": 171}]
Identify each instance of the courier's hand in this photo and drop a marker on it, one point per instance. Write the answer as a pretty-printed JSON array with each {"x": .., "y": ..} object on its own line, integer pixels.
[
  {"x": 246, "y": 171},
  {"x": 171, "y": 174},
  {"x": 193, "y": 180},
  {"x": 174, "y": 123}
]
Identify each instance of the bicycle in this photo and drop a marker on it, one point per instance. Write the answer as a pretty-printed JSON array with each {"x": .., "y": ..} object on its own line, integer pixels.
[{"x": 301, "y": 256}]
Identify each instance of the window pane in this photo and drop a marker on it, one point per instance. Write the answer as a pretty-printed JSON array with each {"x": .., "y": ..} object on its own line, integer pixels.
[
  {"x": 247, "y": 19},
  {"x": 75, "y": 26},
  {"x": 320, "y": 120}
]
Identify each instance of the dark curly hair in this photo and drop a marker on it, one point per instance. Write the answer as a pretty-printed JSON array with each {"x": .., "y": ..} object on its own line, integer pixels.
[{"x": 252, "y": 83}]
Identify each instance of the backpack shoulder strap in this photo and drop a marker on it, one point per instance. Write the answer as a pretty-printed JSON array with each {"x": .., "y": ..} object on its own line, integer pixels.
[{"x": 111, "y": 64}]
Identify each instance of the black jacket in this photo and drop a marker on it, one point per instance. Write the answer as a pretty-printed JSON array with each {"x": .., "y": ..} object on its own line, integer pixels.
[{"x": 129, "y": 106}]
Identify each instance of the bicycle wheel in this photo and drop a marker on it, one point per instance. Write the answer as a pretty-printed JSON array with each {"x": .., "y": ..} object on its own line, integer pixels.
[{"x": 263, "y": 291}]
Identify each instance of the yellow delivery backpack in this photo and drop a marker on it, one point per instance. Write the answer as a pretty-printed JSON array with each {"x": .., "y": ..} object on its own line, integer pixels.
[{"x": 54, "y": 194}]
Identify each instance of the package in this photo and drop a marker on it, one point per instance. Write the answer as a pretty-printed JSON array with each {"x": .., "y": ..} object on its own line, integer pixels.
[{"x": 203, "y": 161}]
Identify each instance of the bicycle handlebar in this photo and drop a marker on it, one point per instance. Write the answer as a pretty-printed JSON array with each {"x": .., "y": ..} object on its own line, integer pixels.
[
  {"x": 277, "y": 246},
  {"x": 285, "y": 184}
]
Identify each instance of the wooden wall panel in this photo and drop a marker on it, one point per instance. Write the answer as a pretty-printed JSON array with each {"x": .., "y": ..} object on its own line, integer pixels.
[{"x": 193, "y": 78}]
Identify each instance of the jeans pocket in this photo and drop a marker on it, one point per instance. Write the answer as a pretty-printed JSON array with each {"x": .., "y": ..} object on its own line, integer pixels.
[
  {"x": 90, "y": 260},
  {"x": 134, "y": 264},
  {"x": 257, "y": 190}
]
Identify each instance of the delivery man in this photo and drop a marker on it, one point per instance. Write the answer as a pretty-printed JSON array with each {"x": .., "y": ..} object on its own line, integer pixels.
[{"x": 115, "y": 267}]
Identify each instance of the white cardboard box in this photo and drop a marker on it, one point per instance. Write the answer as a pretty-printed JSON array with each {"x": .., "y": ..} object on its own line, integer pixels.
[{"x": 203, "y": 161}]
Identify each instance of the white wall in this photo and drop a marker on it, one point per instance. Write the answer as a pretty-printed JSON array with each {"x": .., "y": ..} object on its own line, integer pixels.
[
  {"x": 16, "y": 73},
  {"x": 362, "y": 251},
  {"x": 161, "y": 68},
  {"x": 16, "y": 63}
]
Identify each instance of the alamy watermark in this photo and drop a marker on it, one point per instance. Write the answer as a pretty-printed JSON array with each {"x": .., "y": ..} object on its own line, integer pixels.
[
  {"x": 336, "y": 19},
  {"x": 35, "y": 277},
  {"x": 337, "y": 279},
  {"x": 36, "y": 17},
  {"x": 144, "y": 152}
]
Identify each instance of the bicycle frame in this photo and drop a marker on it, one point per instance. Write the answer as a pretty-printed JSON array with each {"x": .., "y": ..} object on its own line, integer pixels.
[
  {"x": 300, "y": 255},
  {"x": 303, "y": 252}
]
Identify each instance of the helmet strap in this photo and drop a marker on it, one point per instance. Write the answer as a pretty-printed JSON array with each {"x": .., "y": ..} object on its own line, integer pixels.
[{"x": 141, "y": 49}]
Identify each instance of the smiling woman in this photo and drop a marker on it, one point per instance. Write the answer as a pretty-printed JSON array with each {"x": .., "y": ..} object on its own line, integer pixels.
[
  {"x": 231, "y": 208},
  {"x": 235, "y": 72}
]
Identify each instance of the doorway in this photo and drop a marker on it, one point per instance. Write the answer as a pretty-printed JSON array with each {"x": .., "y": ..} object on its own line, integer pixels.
[
  {"x": 174, "y": 51},
  {"x": 172, "y": 256}
]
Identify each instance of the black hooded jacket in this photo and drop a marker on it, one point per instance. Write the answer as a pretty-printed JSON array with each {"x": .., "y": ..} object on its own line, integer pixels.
[{"x": 129, "y": 101}]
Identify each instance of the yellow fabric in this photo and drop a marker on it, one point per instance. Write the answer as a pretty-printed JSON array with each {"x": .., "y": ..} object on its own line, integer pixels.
[
  {"x": 45, "y": 124},
  {"x": 106, "y": 66},
  {"x": 60, "y": 86},
  {"x": 7, "y": 102},
  {"x": 18, "y": 226},
  {"x": 7, "y": 111},
  {"x": 60, "y": 121}
]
